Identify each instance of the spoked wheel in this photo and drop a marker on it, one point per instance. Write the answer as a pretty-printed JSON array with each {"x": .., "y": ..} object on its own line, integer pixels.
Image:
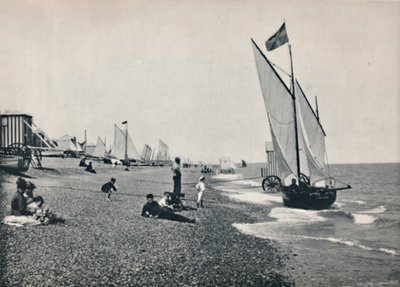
[
  {"x": 271, "y": 184},
  {"x": 304, "y": 179},
  {"x": 20, "y": 149}
]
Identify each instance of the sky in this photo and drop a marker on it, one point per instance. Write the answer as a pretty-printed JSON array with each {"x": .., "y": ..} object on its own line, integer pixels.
[{"x": 184, "y": 72}]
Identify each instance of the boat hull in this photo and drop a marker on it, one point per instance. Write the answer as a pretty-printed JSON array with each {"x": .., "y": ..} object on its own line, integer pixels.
[{"x": 317, "y": 199}]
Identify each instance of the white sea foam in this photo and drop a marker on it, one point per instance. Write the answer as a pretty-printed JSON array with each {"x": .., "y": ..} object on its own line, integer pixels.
[
  {"x": 295, "y": 215},
  {"x": 363, "y": 218},
  {"x": 337, "y": 205},
  {"x": 252, "y": 196},
  {"x": 353, "y": 201},
  {"x": 353, "y": 244},
  {"x": 377, "y": 210}
]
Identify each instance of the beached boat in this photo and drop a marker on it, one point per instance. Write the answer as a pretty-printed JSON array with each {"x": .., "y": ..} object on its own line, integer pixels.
[
  {"x": 123, "y": 148},
  {"x": 97, "y": 151},
  {"x": 297, "y": 136},
  {"x": 162, "y": 157}
]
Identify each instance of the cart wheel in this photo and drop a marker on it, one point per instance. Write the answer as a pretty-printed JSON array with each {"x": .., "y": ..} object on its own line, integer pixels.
[
  {"x": 21, "y": 149},
  {"x": 271, "y": 184},
  {"x": 304, "y": 179}
]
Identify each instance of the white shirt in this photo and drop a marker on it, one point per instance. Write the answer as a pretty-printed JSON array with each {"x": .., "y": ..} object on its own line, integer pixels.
[{"x": 201, "y": 186}]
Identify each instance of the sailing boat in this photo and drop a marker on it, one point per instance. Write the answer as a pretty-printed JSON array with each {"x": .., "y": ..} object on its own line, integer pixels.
[
  {"x": 297, "y": 136},
  {"x": 163, "y": 157},
  {"x": 96, "y": 151},
  {"x": 123, "y": 147}
]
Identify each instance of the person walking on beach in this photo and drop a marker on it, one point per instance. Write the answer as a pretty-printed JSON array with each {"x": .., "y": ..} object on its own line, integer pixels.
[
  {"x": 153, "y": 210},
  {"x": 108, "y": 187},
  {"x": 176, "y": 176},
  {"x": 201, "y": 187}
]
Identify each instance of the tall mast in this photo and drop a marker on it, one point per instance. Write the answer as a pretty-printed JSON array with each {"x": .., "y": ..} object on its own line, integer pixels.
[
  {"x": 126, "y": 143},
  {"x": 295, "y": 114},
  {"x": 316, "y": 107}
]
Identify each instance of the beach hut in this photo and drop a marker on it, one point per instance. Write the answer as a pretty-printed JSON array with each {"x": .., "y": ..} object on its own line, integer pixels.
[
  {"x": 13, "y": 129},
  {"x": 15, "y": 137},
  {"x": 226, "y": 165}
]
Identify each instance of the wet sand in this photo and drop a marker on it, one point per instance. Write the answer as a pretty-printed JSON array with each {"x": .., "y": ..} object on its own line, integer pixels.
[{"x": 109, "y": 244}]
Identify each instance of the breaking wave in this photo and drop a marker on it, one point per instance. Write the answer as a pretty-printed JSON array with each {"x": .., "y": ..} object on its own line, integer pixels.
[{"x": 354, "y": 244}]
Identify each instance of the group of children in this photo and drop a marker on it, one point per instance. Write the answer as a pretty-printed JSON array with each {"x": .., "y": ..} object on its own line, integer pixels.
[
  {"x": 24, "y": 203},
  {"x": 165, "y": 207}
]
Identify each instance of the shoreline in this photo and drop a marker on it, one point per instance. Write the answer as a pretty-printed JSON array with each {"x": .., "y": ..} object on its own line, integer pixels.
[{"x": 111, "y": 244}]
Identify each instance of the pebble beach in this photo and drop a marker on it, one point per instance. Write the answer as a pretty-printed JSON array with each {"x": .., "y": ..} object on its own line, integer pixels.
[{"x": 103, "y": 243}]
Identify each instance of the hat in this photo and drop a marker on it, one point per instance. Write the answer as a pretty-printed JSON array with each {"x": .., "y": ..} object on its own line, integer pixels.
[
  {"x": 201, "y": 178},
  {"x": 150, "y": 195},
  {"x": 21, "y": 183}
]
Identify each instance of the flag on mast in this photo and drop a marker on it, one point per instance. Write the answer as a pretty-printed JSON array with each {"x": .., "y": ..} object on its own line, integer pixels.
[{"x": 278, "y": 39}]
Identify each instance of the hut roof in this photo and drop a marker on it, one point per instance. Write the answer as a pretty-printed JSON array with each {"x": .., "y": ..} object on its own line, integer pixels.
[{"x": 13, "y": 113}]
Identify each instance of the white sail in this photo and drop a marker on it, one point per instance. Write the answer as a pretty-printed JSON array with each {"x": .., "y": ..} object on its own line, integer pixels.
[
  {"x": 123, "y": 144},
  {"x": 163, "y": 151},
  {"x": 100, "y": 148},
  {"x": 146, "y": 152},
  {"x": 313, "y": 138},
  {"x": 279, "y": 105}
]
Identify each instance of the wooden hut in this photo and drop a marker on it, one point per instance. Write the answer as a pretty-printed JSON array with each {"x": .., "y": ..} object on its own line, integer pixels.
[{"x": 13, "y": 129}]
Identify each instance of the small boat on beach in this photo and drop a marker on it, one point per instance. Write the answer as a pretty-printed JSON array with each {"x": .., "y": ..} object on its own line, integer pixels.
[
  {"x": 162, "y": 157},
  {"x": 298, "y": 138},
  {"x": 123, "y": 147}
]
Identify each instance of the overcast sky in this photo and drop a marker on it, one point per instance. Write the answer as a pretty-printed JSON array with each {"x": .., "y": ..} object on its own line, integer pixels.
[{"x": 184, "y": 71}]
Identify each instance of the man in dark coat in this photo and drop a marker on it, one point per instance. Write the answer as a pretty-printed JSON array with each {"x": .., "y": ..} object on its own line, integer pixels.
[
  {"x": 154, "y": 210},
  {"x": 176, "y": 176}
]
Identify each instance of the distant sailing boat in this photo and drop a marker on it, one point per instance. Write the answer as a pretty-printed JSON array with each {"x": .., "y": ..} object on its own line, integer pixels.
[
  {"x": 297, "y": 136},
  {"x": 99, "y": 150},
  {"x": 162, "y": 157},
  {"x": 123, "y": 147}
]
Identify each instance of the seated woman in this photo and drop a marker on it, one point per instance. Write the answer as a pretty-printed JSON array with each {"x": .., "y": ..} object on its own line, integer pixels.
[
  {"x": 18, "y": 201},
  {"x": 83, "y": 162},
  {"x": 90, "y": 168}
]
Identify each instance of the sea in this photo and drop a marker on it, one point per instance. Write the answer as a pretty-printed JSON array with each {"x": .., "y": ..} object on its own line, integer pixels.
[{"x": 356, "y": 242}]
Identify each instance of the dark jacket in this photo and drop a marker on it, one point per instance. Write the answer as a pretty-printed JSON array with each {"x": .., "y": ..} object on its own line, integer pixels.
[
  {"x": 18, "y": 204},
  {"x": 153, "y": 208},
  {"x": 108, "y": 186}
]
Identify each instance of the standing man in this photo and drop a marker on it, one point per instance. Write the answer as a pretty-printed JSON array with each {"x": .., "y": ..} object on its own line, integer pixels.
[{"x": 176, "y": 176}]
